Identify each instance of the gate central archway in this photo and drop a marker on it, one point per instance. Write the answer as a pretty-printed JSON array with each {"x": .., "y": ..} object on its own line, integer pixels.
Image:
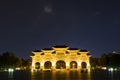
[
  {"x": 73, "y": 65},
  {"x": 60, "y": 64}
]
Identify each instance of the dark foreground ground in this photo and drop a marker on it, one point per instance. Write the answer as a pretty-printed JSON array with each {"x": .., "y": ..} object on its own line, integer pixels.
[{"x": 60, "y": 75}]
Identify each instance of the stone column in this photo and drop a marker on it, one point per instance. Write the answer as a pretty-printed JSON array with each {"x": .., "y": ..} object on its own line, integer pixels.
[
  {"x": 88, "y": 66},
  {"x": 32, "y": 68},
  {"x": 68, "y": 67},
  {"x": 41, "y": 68},
  {"x": 79, "y": 67},
  {"x": 53, "y": 68}
]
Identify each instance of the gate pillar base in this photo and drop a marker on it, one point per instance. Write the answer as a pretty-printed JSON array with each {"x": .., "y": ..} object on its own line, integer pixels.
[{"x": 53, "y": 68}]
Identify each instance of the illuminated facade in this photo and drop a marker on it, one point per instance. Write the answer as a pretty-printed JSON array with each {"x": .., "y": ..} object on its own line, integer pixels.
[{"x": 60, "y": 57}]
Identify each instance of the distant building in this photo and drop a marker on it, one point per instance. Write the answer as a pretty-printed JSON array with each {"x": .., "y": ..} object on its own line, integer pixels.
[{"x": 60, "y": 57}]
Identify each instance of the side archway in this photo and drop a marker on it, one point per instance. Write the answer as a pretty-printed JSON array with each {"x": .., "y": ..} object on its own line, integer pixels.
[
  {"x": 47, "y": 65},
  {"x": 60, "y": 64},
  {"x": 37, "y": 65},
  {"x": 83, "y": 65}
]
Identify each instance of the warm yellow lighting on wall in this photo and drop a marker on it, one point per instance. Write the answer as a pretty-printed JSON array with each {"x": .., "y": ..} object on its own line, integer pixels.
[
  {"x": 33, "y": 64},
  {"x": 67, "y": 64},
  {"x": 53, "y": 63},
  {"x": 79, "y": 63},
  {"x": 42, "y": 63},
  {"x": 65, "y": 54}
]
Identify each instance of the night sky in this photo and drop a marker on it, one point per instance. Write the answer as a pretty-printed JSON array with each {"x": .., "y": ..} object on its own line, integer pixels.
[{"x": 26, "y": 25}]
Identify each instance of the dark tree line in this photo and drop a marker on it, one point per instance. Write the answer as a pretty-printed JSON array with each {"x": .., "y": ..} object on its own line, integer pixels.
[
  {"x": 106, "y": 60},
  {"x": 9, "y": 60}
]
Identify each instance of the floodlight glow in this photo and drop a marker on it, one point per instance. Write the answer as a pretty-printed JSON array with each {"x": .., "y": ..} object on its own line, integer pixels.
[
  {"x": 110, "y": 69},
  {"x": 115, "y": 69},
  {"x": 10, "y": 70}
]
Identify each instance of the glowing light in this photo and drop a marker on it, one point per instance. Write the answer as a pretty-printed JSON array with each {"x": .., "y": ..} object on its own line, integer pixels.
[
  {"x": 110, "y": 69},
  {"x": 42, "y": 63},
  {"x": 60, "y": 53},
  {"x": 33, "y": 64},
  {"x": 67, "y": 64},
  {"x": 18, "y": 68},
  {"x": 115, "y": 69},
  {"x": 73, "y": 65},
  {"x": 104, "y": 68},
  {"x": 10, "y": 70},
  {"x": 53, "y": 64},
  {"x": 88, "y": 64},
  {"x": 79, "y": 64}
]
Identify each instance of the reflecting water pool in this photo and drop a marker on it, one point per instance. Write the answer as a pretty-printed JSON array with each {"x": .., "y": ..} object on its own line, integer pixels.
[{"x": 60, "y": 75}]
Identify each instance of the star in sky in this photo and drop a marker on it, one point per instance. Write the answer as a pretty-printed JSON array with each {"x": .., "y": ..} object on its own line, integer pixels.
[{"x": 48, "y": 9}]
